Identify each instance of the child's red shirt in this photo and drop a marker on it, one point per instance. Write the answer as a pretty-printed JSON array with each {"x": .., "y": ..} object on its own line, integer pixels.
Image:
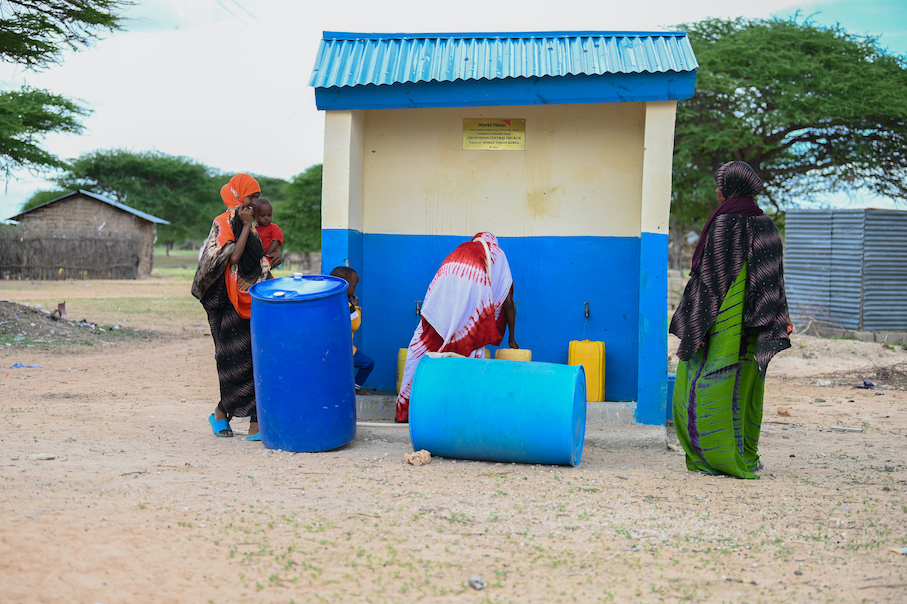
[{"x": 268, "y": 234}]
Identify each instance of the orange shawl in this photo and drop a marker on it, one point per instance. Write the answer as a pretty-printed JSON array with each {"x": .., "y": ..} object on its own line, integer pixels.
[{"x": 215, "y": 257}]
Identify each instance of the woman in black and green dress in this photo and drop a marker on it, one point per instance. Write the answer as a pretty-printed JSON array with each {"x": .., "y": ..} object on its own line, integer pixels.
[{"x": 731, "y": 321}]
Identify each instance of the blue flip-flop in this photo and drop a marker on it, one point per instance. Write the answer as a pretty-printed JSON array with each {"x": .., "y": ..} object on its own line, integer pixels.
[
  {"x": 255, "y": 437},
  {"x": 219, "y": 425}
]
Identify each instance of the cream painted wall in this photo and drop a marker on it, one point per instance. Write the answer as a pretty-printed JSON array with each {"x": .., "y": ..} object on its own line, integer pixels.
[
  {"x": 341, "y": 192},
  {"x": 657, "y": 166},
  {"x": 580, "y": 175}
]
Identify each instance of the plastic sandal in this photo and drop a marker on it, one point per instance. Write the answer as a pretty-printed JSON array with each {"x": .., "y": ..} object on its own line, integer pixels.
[
  {"x": 255, "y": 437},
  {"x": 220, "y": 425}
]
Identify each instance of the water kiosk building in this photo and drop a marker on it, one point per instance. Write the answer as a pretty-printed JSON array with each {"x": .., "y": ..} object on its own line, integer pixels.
[{"x": 559, "y": 143}]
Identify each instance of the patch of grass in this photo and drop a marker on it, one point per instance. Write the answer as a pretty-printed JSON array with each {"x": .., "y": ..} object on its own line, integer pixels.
[
  {"x": 126, "y": 308},
  {"x": 176, "y": 258},
  {"x": 174, "y": 272}
]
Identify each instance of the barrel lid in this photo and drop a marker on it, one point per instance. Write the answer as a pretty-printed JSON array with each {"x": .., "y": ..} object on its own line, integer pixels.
[{"x": 298, "y": 287}]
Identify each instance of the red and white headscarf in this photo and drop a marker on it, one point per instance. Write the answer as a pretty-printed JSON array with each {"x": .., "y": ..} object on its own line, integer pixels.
[
  {"x": 467, "y": 291},
  {"x": 462, "y": 310}
]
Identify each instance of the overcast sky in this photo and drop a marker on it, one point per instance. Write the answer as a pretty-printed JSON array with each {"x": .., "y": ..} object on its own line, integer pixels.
[{"x": 225, "y": 81}]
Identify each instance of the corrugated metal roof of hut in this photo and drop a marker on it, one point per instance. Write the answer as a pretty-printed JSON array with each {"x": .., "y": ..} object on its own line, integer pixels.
[{"x": 95, "y": 196}]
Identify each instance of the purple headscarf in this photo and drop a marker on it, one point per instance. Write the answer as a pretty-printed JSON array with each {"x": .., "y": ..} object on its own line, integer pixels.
[{"x": 738, "y": 183}]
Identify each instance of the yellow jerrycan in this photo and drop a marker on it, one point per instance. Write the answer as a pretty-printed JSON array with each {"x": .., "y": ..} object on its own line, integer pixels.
[
  {"x": 591, "y": 355},
  {"x": 401, "y": 362},
  {"x": 513, "y": 354}
]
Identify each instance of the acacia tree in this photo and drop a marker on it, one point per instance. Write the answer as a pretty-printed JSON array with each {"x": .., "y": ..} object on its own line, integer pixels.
[
  {"x": 26, "y": 116},
  {"x": 812, "y": 109},
  {"x": 33, "y": 33},
  {"x": 41, "y": 197},
  {"x": 177, "y": 189},
  {"x": 272, "y": 188}
]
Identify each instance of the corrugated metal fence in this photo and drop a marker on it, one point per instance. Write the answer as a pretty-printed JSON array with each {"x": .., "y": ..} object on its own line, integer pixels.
[{"x": 846, "y": 268}]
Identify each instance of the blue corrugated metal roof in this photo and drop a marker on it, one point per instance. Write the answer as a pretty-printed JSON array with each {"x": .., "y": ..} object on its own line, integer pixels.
[
  {"x": 353, "y": 59},
  {"x": 100, "y": 198}
]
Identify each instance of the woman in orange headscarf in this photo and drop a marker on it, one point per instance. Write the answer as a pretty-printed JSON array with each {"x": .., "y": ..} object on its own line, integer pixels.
[{"x": 229, "y": 264}]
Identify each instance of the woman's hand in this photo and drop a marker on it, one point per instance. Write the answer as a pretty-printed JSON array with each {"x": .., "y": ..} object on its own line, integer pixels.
[
  {"x": 245, "y": 214},
  {"x": 510, "y": 315},
  {"x": 276, "y": 258}
]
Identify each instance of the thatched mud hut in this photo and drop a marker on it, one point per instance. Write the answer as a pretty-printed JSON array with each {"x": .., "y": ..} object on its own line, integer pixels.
[{"x": 80, "y": 235}]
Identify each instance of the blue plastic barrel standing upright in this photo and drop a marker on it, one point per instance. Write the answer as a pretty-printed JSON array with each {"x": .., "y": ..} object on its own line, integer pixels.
[
  {"x": 302, "y": 362},
  {"x": 499, "y": 410}
]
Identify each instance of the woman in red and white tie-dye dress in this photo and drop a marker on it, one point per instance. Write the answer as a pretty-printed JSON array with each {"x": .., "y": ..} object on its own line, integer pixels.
[{"x": 468, "y": 305}]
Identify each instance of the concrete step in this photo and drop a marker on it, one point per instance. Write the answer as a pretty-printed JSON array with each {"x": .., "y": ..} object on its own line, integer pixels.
[
  {"x": 376, "y": 407},
  {"x": 381, "y": 406},
  {"x": 609, "y": 425},
  {"x": 652, "y": 439}
]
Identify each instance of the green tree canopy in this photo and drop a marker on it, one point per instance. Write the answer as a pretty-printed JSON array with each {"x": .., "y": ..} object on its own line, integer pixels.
[
  {"x": 272, "y": 188},
  {"x": 812, "y": 109},
  {"x": 177, "y": 189},
  {"x": 26, "y": 116},
  {"x": 299, "y": 216},
  {"x": 42, "y": 197},
  {"x": 34, "y": 33}
]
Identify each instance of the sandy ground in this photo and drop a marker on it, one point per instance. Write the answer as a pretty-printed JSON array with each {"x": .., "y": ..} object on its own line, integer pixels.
[{"x": 114, "y": 489}]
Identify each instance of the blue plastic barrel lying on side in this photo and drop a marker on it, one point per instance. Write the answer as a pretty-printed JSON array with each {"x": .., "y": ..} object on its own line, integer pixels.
[
  {"x": 302, "y": 361},
  {"x": 499, "y": 410}
]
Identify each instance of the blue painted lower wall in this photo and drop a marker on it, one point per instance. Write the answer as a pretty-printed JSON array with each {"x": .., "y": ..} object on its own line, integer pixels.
[
  {"x": 653, "y": 329},
  {"x": 553, "y": 278},
  {"x": 342, "y": 247}
]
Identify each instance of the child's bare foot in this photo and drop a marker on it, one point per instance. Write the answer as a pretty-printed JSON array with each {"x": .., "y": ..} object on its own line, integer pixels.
[{"x": 363, "y": 392}]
